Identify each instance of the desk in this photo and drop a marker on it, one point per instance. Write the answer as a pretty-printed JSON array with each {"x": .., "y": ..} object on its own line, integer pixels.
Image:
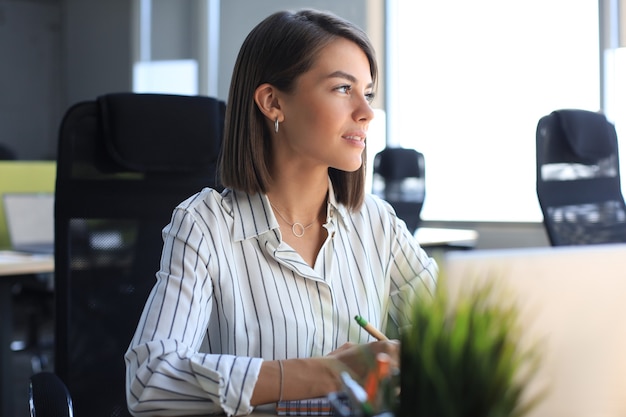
[
  {"x": 442, "y": 237},
  {"x": 12, "y": 266}
]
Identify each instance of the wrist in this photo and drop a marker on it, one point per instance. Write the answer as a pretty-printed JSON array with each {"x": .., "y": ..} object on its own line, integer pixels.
[{"x": 311, "y": 377}]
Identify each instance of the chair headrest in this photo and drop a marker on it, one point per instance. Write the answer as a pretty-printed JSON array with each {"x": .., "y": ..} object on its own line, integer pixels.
[
  {"x": 161, "y": 132},
  {"x": 398, "y": 163},
  {"x": 590, "y": 135}
]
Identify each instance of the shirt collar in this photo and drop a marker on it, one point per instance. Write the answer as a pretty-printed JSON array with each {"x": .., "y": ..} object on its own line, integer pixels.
[{"x": 253, "y": 214}]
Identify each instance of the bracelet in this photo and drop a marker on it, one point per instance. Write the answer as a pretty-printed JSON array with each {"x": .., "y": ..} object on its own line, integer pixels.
[{"x": 280, "y": 393}]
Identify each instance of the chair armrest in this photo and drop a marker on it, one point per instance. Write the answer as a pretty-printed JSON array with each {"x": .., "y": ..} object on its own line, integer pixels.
[{"x": 48, "y": 396}]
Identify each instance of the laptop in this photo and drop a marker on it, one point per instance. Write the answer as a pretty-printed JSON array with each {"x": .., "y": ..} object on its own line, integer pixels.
[
  {"x": 30, "y": 221},
  {"x": 573, "y": 302}
]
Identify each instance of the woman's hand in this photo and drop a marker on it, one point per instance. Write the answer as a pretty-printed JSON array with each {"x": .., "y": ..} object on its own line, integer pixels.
[
  {"x": 316, "y": 377},
  {"x": 358, "y": 360}
]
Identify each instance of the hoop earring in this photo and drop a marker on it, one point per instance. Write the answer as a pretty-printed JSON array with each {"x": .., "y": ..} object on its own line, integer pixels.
[{"x": 276, "y": 125}]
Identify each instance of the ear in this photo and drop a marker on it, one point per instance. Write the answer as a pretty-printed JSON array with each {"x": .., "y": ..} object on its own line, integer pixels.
[{"x": 266, "y": 99}]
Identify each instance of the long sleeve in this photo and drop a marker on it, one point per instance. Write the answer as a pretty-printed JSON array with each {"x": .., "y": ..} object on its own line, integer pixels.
[
  {"x": 411, "y": 270},
  {"x": 167, "y": 375},
  {"x": 394, "y": 255}
]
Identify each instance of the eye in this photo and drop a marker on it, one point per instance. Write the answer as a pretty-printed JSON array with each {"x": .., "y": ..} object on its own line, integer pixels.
[{"x": 344, "y": 89}]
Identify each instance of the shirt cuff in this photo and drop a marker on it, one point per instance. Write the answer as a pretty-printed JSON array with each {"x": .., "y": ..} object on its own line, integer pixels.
[{"x": 237, "y": 376}]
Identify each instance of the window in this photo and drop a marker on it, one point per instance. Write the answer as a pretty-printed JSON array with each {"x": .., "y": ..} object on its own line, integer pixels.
[
  {"x": 176, "y": 46},
  {"x": 467, "y": 84}
]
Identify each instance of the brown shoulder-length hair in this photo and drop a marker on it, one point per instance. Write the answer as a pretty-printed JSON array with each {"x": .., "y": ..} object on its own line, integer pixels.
[{"x": 277, "y": 51}]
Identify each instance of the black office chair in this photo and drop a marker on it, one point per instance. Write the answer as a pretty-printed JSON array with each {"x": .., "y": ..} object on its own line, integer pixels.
[
  {"x": 578, "y": 179},
  {"x": 124, "y": 162},
  {"x": 399, "y": 175},
  {"x": 49, "y": 396}
]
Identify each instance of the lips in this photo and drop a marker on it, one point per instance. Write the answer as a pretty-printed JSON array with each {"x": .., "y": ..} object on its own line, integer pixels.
[{"x": 356, "y": 136}]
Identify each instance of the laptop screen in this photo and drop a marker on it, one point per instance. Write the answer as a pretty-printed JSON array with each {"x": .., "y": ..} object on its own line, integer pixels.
[
  {"x": 30, "y": 221},
  {"x": 572, "y": 301}
]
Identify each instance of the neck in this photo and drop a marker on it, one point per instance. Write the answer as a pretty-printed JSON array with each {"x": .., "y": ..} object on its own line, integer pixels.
[{"x": 299, "y": 202}]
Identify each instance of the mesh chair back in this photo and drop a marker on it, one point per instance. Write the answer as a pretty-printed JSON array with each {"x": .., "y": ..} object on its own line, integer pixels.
[
  {"x": 124, "y": 162},
  {"x": 399, "y": 176},
  {"x": 578, "y": 180}
]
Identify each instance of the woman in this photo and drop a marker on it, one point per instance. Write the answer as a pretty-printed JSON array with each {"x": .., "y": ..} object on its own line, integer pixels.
[{"x": 273, "y": 270}]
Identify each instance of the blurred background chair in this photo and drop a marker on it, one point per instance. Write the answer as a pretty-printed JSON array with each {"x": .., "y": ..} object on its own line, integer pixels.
[
  {"x": 578, "y": 178},
  {"x": 124, "y": 162},
  {"x": 399, "y": 178},
  {"x": 33, "y": 303}
]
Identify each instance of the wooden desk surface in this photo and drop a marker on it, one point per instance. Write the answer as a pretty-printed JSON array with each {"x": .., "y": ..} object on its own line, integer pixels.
[{"x": 17, "y": 263}]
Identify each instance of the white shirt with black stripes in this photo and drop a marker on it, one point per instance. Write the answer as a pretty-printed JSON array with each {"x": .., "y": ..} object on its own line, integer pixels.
[{"x": 226, "y": 278}]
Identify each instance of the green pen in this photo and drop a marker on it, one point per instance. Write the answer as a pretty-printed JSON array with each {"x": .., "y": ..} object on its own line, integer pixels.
[{"x": 373, "y": 331}]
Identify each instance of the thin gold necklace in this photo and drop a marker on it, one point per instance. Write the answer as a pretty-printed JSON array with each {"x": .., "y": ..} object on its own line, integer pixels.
[{"x": 297, "y": 228}]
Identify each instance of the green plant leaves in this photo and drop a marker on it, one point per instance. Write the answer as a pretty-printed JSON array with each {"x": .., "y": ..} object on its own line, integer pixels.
[{"x": 462, "y": 356}]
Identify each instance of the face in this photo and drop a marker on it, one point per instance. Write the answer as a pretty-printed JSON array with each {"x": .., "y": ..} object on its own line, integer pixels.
[{"x": 327, "y": 115}]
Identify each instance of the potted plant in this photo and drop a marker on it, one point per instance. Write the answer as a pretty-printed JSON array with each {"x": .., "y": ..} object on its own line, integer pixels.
[{"x": 461, "y": 356}]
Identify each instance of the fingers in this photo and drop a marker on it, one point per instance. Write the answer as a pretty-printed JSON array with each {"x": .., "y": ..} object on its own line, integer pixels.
[
  {"x": 389, "y": 347},
  {"x": 360, "y": 358},
  {"x": 342, "y": 348}
]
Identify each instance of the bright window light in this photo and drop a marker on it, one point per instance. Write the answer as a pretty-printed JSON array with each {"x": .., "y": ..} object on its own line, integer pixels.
[
  {"x": 470, "y": 82},
  {"x": 376, "y": 141},
  {"x": 166, "y": 77}
]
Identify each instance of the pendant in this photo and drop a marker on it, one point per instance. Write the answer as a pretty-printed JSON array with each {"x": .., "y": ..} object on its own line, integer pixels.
[{"x": 297, "y": 229}]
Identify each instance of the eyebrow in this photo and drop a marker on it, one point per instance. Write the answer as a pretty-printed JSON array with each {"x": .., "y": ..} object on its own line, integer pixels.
[{"x": 349, "y": 77}]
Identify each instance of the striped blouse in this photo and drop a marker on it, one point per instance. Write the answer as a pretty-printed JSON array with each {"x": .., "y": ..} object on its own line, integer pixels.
[{"x": 229, "y": 286}]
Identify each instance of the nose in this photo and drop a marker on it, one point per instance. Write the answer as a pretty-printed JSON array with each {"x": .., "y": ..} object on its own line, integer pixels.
[{"x": 364, "y": 112}]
